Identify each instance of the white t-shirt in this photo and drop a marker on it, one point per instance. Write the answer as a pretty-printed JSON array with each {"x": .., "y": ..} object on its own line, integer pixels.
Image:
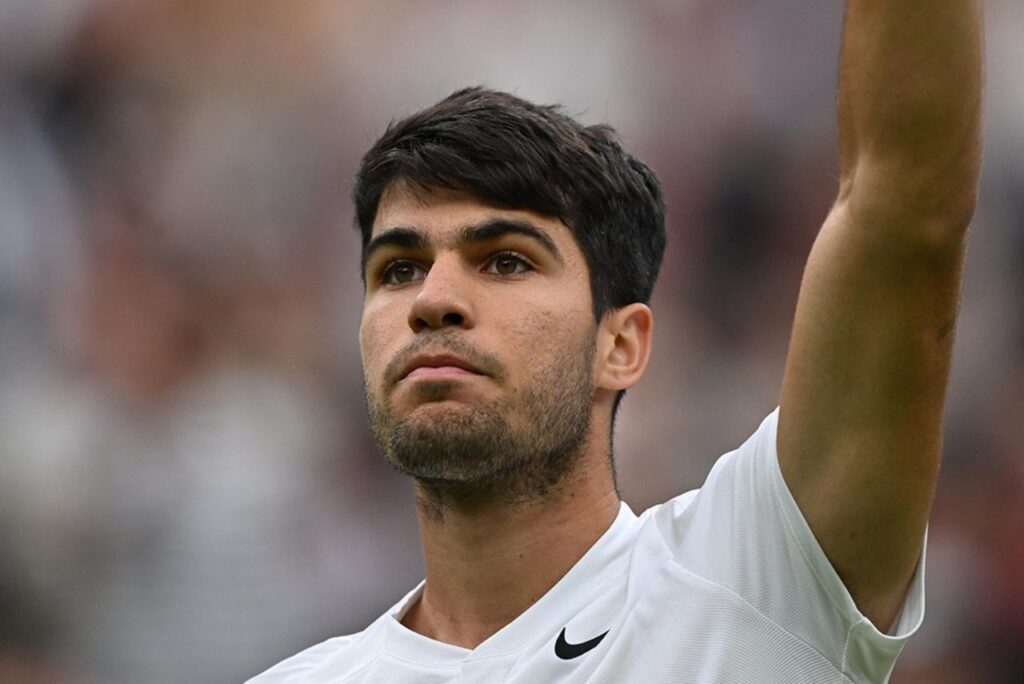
[{"x": 722, "y": 584}]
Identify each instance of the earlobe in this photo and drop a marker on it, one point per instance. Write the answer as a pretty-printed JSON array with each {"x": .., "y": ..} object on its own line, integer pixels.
[{"x": 625, "y": 346}]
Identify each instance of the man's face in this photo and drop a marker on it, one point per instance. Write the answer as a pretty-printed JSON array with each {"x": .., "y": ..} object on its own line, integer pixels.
[{"x": 477, "y": 341}]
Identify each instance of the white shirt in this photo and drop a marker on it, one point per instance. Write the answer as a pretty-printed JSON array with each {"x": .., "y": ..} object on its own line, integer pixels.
[{"x": 722, "y": 584}]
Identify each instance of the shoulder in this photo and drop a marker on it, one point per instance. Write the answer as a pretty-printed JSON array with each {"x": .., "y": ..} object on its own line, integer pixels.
[
  {"x": 337, "y": 659},
  {"x": 742, "y": 536},
  {"x": 318, "y": 663},
  {"x": 744, "y": 477}
]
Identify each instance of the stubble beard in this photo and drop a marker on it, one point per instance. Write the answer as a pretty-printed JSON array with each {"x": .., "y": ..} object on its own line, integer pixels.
[{"x": 513, "y": 450}]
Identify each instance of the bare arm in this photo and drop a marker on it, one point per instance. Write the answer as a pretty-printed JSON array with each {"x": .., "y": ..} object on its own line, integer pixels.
[{"x": 860, "y": 425}]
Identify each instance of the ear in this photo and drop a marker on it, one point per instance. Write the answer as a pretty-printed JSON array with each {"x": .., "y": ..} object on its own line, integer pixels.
[{"x": 623, "y": 346}]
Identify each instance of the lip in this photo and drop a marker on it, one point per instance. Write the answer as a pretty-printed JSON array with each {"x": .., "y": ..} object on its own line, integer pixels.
[
  {"x": 437, "y": 366},
  {"x": 427, "y": 372}
]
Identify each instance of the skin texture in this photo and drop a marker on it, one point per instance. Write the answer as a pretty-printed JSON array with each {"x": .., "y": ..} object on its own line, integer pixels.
[
  {"x": 512, "y": 446},
  {"x": 500, "y": 526},
  {"x": 860, "y": 426}
]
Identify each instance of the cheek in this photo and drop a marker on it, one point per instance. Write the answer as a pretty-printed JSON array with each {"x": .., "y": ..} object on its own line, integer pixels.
[
  {"x": 542, "y": 339},
  {"x": 372, "y": 345}
]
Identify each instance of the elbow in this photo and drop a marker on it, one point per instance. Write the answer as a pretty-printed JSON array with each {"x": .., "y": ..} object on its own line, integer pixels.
[{"x": 928, "y": 208}]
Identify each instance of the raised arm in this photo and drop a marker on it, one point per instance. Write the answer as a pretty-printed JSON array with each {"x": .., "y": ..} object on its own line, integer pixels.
[{"x": 860, "y": 425}]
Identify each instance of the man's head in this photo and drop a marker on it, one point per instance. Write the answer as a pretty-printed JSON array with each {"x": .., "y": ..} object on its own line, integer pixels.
[{"x": 507, "y": 238}]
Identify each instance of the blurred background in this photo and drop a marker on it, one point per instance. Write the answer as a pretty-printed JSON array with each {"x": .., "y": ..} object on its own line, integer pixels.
[{"x": 188, "y": 488}]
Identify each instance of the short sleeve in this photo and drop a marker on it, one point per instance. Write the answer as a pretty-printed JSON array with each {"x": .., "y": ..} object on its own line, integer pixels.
[{"x": 744, "y": 531}]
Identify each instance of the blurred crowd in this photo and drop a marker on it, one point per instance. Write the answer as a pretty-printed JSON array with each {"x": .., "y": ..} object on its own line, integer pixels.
[{"x": 188, "y": 488}]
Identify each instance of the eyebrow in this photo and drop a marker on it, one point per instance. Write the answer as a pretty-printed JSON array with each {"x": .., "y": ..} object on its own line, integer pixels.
[
  {"x": 500, "y": 227},
  {"x": 487, "y": 231},
  {"x": 406, "y": 238}
]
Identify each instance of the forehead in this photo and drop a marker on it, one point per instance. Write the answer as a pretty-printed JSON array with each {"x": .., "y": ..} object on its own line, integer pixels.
[{"x": 440, "y": 214}]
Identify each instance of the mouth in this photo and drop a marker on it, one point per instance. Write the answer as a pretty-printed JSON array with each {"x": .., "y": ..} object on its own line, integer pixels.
[{"x": 438, "y": 366}]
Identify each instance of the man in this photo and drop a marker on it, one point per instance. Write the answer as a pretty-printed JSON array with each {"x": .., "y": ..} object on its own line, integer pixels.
[{"x": 509, "y": 255}]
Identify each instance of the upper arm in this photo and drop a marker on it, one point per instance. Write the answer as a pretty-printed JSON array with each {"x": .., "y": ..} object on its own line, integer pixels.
[{"x": 860, "y": 417}]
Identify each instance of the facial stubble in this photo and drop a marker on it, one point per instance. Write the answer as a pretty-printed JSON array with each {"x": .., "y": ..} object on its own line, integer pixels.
[{"x": 513, "y": 449}]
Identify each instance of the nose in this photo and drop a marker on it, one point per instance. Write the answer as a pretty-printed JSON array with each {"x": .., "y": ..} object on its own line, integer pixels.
[{"x": 443, "y": 299}]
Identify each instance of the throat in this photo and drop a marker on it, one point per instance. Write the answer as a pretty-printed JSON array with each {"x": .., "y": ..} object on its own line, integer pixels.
[{"x": 486, "y": 567}]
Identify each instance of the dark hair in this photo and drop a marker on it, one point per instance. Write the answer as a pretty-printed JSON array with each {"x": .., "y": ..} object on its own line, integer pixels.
[{"x": 519, "y": 155}]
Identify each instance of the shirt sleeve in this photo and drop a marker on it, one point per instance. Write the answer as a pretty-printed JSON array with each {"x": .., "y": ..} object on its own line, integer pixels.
[{"x": 744, "y": 531}]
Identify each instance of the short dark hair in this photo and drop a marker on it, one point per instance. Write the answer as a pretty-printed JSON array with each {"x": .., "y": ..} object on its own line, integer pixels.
[{"x": 515, "y": 154}]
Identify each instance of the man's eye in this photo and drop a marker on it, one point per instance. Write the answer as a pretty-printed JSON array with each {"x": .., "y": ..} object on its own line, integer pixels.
[
  {"x": 507, "y": 264},
  {"x": 401, "y": 272}
]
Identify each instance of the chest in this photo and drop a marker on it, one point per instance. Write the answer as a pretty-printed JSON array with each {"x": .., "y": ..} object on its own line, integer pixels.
[{"x": 679, "y": 628}]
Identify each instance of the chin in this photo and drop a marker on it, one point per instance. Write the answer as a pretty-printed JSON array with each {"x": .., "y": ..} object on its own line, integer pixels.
[
  {"x": 434, "y": 396},
  {"x": 440, "y": 410}
]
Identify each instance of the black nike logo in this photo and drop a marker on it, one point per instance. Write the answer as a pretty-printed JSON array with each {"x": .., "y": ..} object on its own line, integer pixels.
[{"x": 567, "y": 651}]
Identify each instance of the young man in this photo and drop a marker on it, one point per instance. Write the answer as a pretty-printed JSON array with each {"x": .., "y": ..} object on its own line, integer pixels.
[{"x": 509, "y": 255}]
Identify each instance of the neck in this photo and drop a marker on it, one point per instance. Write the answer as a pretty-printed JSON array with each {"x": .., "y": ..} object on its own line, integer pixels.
[{"x": 486, "y": 564}]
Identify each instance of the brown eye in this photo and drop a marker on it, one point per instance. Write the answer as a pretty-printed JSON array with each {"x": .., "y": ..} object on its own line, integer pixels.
[
  {"x": 508, "y": 264},
  {"x": 401, "y": 272}
]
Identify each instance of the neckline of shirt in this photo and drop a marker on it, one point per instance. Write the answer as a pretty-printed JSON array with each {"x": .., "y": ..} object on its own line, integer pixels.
[{"x": 551, "y": 611}]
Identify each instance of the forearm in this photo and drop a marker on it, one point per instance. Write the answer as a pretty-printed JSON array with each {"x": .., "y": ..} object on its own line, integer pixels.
[{"x": 910, "y": 107}]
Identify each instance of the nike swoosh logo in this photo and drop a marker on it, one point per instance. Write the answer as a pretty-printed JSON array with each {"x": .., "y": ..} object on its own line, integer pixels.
[{"x": 567, "y": 651}]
